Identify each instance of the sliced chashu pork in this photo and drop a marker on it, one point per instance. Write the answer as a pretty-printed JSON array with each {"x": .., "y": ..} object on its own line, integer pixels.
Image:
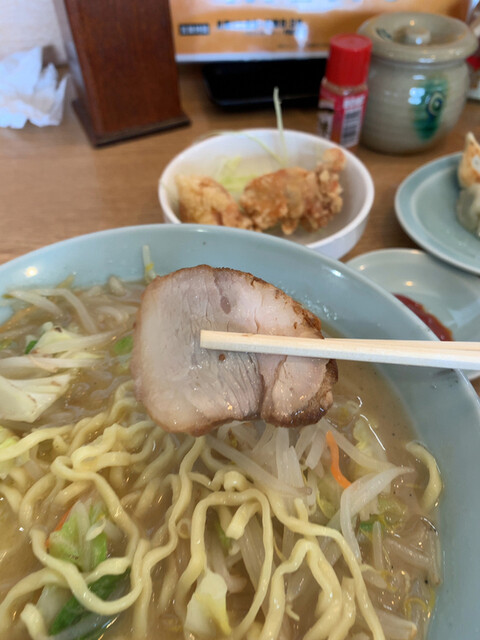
[{"x": 186, "y": 388}]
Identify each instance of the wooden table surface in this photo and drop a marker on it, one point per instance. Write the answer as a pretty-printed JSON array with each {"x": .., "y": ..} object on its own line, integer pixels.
[{"x": 54, "y": 185}]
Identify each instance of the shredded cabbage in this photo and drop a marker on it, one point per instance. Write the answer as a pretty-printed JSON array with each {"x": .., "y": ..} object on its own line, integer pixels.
[
  {"x": 391, "y": 514},
  {"x": 26, "y": 400},
  {"x": 328, "y": 496},
  {"x": 81, "y": 540},
  {"x": 57, "y": 340},
  {"x": 7, "y": 439},
  {"x": 207, "y": 609},
  {"x": 229, "y": 176},
  {"x": 368, "y": 444},
  {"x": 283, "y": 158}
]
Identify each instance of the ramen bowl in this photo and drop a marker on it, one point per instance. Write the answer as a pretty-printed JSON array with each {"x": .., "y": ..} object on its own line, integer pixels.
[
  {"x": 441, "y": 404},
  {"x": 239, "y": 156}
]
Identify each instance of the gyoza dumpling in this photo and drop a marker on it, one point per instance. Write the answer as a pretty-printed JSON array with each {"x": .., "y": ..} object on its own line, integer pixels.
[
  {"x": 469, "y": 167},
  {"x": 468, "y": 208}
]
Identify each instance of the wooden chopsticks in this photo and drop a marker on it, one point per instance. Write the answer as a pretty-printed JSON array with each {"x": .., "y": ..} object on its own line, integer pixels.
[{"x": 450, "y": 355}]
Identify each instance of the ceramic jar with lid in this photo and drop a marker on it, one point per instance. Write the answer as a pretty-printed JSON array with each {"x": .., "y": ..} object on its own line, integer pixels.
[{"x": 418, "y": 79}]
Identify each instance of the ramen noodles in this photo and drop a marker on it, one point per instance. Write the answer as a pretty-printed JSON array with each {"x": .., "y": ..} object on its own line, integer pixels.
[{"x": 113, "y": 528}]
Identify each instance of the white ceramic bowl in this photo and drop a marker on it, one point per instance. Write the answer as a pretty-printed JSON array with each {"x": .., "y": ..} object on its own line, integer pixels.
[{"x": 246, "y": 150}]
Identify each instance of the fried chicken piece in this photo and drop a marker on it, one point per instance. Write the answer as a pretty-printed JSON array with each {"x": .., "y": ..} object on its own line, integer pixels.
[
  {"x": 330, "y": 201},
  {"x": 334, "y": 159},
  {"x": 296, "y": 196},
  {"x": 282, "y": 196},
  {"x": 204, "y": 201}
]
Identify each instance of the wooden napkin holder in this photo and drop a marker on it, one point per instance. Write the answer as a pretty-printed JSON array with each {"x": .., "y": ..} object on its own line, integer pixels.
[{"x": 122, "y": 60}]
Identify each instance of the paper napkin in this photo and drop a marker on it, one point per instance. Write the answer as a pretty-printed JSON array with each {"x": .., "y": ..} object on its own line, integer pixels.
[{"x": 29, "y": 91}]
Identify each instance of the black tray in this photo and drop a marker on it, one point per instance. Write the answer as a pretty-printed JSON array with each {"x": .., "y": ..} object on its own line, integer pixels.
[{"x": 250, "y": 84}]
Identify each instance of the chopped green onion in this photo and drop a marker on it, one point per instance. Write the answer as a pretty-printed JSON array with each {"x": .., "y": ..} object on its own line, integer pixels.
[
  {"x": 72, "y": 611},
  {"x": 225, "y": 541},
  {"x": 123, "y": 345},
  {"x": 367, "y": 525},
  {"x": 30, "y": 346}
]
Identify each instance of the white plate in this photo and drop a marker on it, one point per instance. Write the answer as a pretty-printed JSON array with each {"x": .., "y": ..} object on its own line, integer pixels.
[
  {"x": 425, "y": 204},
  {"x": 451, "y": 295}
]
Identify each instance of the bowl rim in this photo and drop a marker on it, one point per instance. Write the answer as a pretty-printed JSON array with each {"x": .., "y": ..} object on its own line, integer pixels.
[{"x": 345, "y": 231}]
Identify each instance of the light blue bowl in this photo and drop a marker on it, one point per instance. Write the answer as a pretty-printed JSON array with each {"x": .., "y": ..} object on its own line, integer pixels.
[{"x": 443, "y": 406}]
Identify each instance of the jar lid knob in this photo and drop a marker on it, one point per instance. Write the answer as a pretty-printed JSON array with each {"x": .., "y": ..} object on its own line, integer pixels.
[{"x": 416, "y": 34}]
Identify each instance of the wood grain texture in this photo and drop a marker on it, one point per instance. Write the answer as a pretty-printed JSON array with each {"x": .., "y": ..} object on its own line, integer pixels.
[
  {"x": 54, "y": 185},
  {"x": 123, "y": 62}
]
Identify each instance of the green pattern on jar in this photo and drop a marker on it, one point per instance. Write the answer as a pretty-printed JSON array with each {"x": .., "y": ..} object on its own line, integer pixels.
[{"x": 427, "y": 103}]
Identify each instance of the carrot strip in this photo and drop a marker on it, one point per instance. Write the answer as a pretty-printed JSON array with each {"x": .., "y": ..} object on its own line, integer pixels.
[
  {"x": 335, "y": 466},
  {"x": 60, "y": 524},
  {"x": 63, "y": 519}
]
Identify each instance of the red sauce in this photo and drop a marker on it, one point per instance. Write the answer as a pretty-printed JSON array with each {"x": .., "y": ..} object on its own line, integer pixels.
[{"x": 439, "y": 329}]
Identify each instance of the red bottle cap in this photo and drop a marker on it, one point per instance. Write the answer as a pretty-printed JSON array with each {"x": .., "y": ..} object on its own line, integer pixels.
[{"x": 349, "y": 58}]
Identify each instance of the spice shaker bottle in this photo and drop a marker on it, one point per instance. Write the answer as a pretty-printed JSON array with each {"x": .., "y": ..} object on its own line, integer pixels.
[{"x": 343, "y": 90}]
